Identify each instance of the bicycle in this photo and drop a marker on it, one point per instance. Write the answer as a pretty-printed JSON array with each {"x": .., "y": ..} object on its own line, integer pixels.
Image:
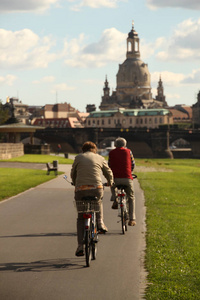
[
  {"x": 123, "y": 207},
  {"x": 89, "y": 206}
]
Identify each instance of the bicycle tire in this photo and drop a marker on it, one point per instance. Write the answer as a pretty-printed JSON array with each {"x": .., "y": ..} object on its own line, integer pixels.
[
  {"x": 126, "y": 220},
  {"x": 123, "y": 219},
  {"x": 94, "y": 243},
  {"x": 88, "y": 253}
]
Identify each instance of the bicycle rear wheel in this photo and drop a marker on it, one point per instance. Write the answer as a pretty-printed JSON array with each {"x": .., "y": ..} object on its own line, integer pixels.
[
  {"x": 94, "y": 243},
  {"x": 88, "y": 253},
  {"x": 123, "y": 219}
]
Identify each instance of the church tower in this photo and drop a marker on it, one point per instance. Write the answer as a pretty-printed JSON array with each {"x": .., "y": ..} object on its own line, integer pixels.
[
  {"x": 160, "y": 93},
  {"x": 106, "y": 89},
  {"x": 133, "y": 77},
  {"x": 133, "y": 44}
]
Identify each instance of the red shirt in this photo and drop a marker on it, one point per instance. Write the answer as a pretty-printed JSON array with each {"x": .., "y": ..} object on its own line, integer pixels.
[{"x": 121, "y": 162}]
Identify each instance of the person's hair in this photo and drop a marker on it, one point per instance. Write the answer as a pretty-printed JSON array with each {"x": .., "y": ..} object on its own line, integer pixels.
[
  {"x": 89, "y": 146},
  {"x": 120, "y": 142}
]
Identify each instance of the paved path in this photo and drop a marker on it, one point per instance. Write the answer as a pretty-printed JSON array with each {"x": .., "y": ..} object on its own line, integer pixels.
[{"x": 38, "y": 242}]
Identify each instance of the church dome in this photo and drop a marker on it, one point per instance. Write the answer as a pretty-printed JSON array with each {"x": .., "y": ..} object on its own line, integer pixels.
[
  {"x": 133, "y": 72},
  {"x": 133, "y": 77}
]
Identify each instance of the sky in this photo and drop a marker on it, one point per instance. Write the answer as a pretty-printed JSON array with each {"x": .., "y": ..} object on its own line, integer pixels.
[{"x": 57, "y": 51}]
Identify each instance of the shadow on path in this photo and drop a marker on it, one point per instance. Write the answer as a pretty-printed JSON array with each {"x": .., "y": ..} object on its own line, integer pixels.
[
  {"x": 61, "y": 264},
  {"x": 40, "y": 235}
]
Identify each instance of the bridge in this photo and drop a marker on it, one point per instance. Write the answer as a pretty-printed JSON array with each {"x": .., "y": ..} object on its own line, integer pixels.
[{"x": 145, "y": 143}]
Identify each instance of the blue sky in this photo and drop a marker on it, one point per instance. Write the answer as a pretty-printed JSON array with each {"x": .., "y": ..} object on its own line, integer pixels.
[{"x": 61, "y": 50}]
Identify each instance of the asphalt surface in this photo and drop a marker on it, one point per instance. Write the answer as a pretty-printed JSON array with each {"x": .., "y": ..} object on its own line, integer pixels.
[{"x": 38, "y": 243}]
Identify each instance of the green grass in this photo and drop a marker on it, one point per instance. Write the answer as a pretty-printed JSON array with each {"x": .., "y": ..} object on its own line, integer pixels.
[
  {"x": 173, "y": 228},
  {"x": 40, "y": 158},
  {"x": 14, "y": 181},
  {"x": 173, "y": 224}
]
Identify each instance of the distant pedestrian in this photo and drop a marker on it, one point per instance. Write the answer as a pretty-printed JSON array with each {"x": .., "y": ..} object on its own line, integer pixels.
[{"x": 58, "y": 149}]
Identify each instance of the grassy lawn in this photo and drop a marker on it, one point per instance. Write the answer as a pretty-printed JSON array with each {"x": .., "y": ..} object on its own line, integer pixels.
[
  {"x": 40, "y": 158},
  {"x": 14, "y": 181},
  {"x": 172, "y": 198},
  {"x": 173, "y": 228}
]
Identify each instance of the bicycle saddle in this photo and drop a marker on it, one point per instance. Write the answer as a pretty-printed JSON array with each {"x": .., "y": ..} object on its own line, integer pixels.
[
  {"x": 121, "y": 186},
  {"x": 89, "y": 198}
]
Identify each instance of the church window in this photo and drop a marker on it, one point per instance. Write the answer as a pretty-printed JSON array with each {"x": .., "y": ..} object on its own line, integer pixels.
[
  {"x": 88, "y": 122},
  {"x": 97, "y": 122},
  {"x": 129, "y": 46},
  {"x": 141, "y": 121},
  {"x": 136, "y": 46}
]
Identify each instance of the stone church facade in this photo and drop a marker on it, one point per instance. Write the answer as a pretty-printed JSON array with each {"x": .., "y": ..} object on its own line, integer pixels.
[{"x": 133, "y": 88}]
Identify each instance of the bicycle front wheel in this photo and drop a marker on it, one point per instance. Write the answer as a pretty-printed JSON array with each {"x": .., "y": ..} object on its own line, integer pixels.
[{"x": 88, "y": 253}]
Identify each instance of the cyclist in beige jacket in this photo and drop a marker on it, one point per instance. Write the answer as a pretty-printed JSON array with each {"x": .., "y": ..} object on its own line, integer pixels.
[{"x": 86, "y": 176}]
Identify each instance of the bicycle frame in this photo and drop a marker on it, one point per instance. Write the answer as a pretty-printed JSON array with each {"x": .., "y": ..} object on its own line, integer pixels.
[
  {"x": 88, "y": 207},
  {"x": 122, "y": 208}
]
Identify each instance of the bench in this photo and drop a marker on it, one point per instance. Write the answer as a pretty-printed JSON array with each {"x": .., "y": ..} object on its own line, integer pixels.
[{"x": 49, "y": 169}]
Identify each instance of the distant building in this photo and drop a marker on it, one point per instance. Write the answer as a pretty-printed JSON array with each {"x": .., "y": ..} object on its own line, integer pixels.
[
  {"x": 17, "y": 110},
  {"x": 133, "y": 82},
  {"x": 58, "y": 110},
  {"x": 129, "y": 118},
  {"x": 60, "y": 115},
  {"x": 196, "y": 111},
  {"x": 90, "y": 107},
  {"x": 181, "y": 114},
  {"x": 57, "y": 122}
]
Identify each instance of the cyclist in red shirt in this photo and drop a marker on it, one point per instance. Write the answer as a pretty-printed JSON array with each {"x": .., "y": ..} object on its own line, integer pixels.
[{"x": 121, "y": 162}]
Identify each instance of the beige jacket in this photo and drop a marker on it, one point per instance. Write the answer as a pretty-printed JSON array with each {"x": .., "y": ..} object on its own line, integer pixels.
[{"x": 88, "y": 168}]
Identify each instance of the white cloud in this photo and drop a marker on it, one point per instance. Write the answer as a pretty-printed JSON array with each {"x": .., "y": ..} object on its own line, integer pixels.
[
  {"x": 46, "y": 79},
  {"x": 94, "y": 4},
  {"x": 110, "y": 48},
  {"x": 10, "y": 6},
  {"x": 168, "y": 78},
  {"x": 24, "y": 50},
  {"x": 172, "y": 96},
  {"x": 149, "y": 49},
  {"x": 193, "y": 78},
  {"x": 62, "y": 87},
  {"x": 7, "y": 80},
  {"x": 188, "y": 4},
  {"x": 184, "y": 44}
]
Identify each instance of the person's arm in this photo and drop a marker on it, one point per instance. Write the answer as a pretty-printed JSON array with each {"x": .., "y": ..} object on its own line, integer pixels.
[
  {"x": 107, "y": 172},
  {"x": 73, "y": 172},
  {"x": 132, "y": 161}
]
